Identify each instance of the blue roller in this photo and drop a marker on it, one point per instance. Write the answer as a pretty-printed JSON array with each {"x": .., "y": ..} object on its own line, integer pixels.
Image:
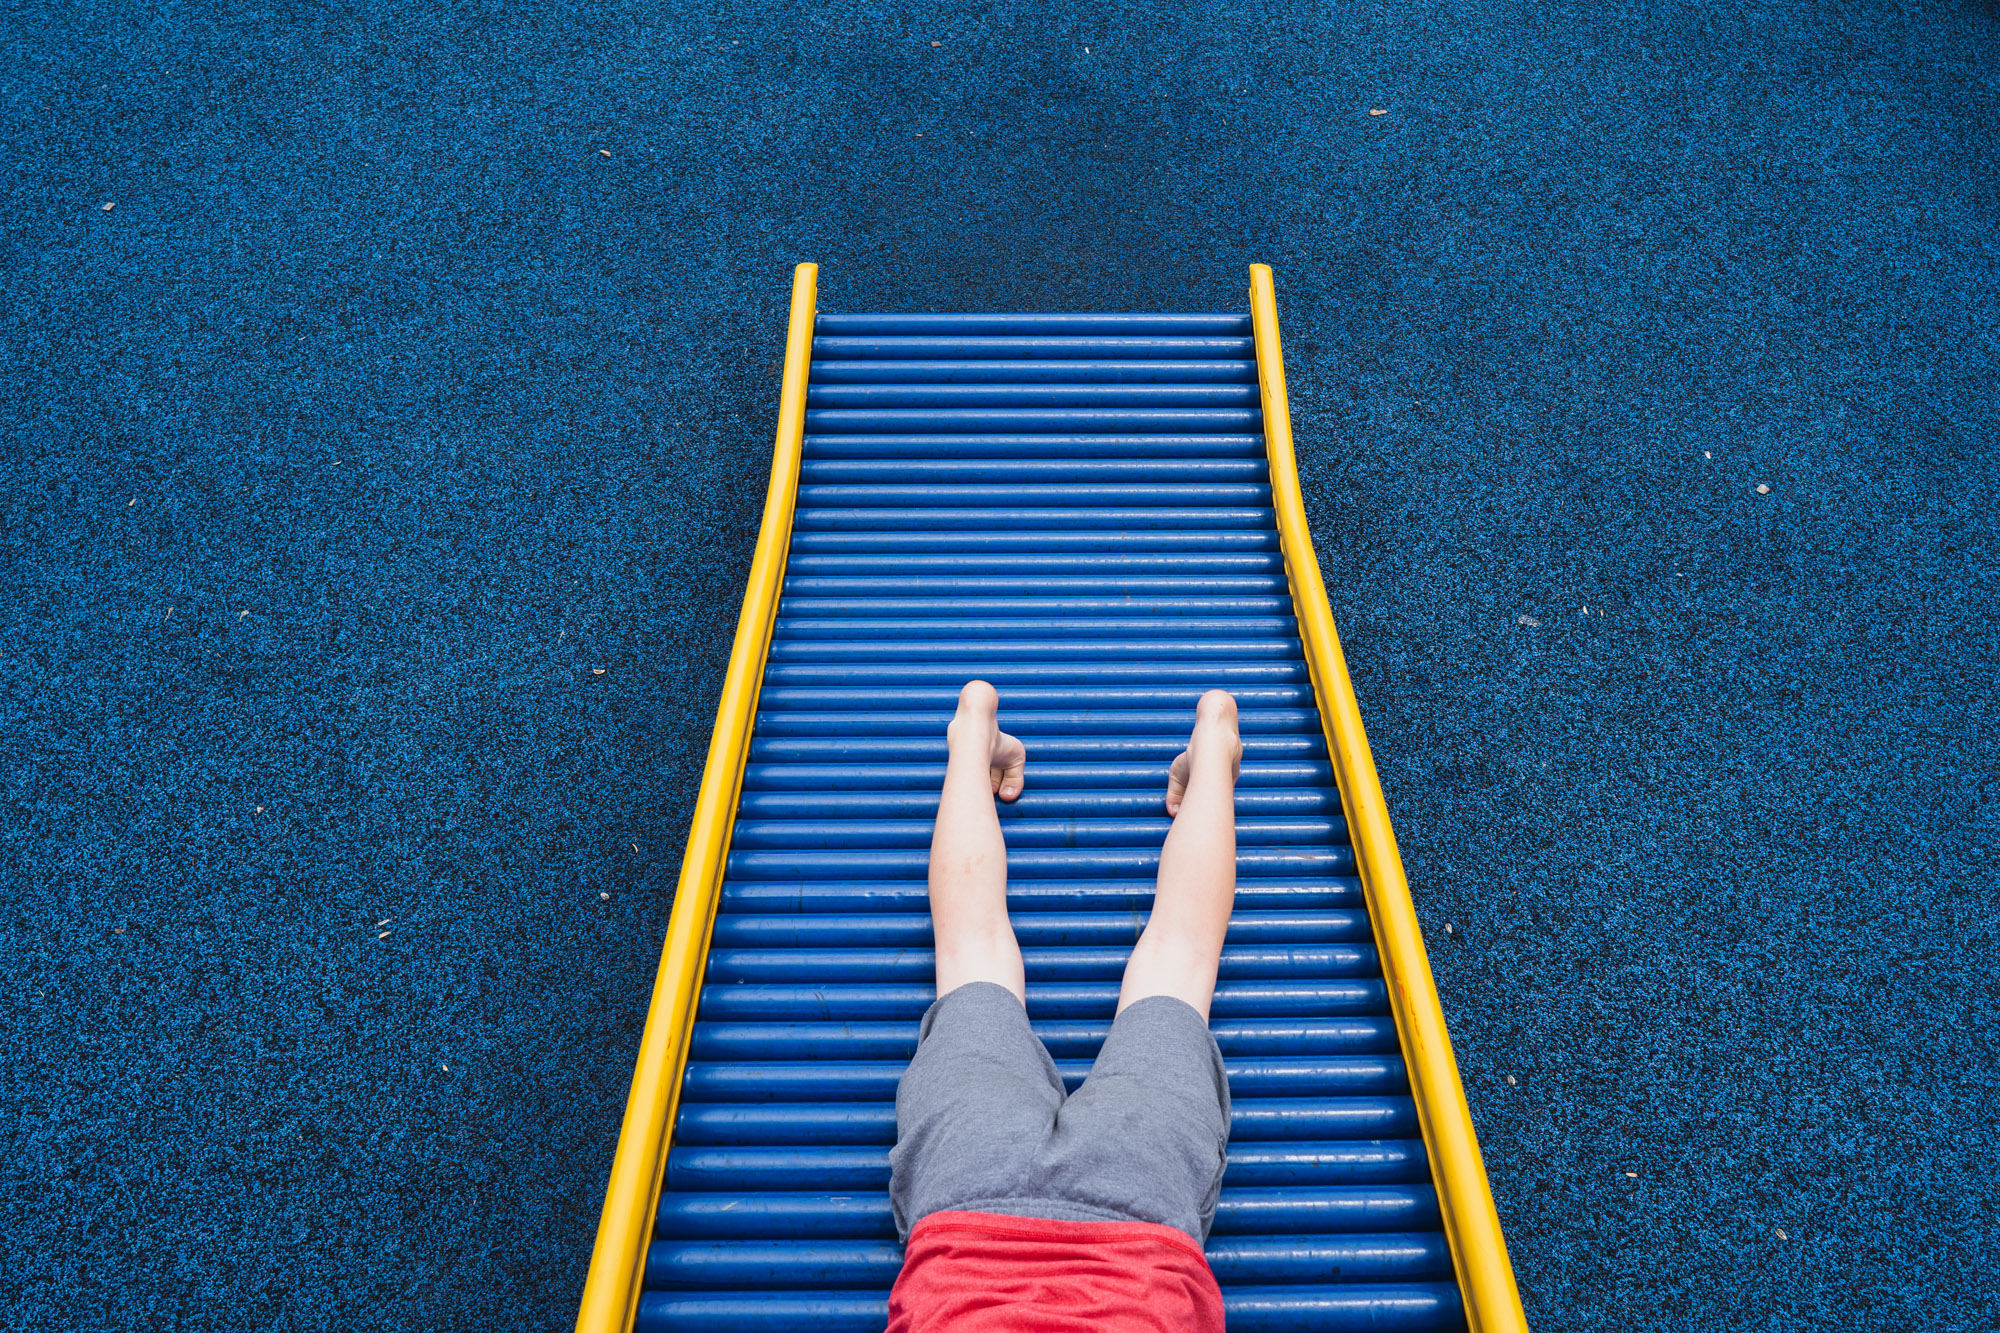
[
  {"x": 847, "y": 1264},
  {"x": 1034, "y": 394},
  {"x": 859, "y": 606},
  {"x": 1032, "y": 420},
  {"x": 1029, "y": 897},
  {"x": 754, "y": 1265},
  {"x": 1110, "y": 500},
  {"x": 1054, "y": 749},
  {"x": 1072, "y": 370},
  {"x": 1078, "y": 863},
  {"x": 1347, "y": 1308},
  {"x": 1022, "y": 834},
  {"x": 1297, "y": 1210},
  {"x": 791, "y": 1002},
  {"x": 760, "y": 1312},
  {"x": 1037, "y": 654},
  {"x": 1207, "y": 673},
  {"x": 1039, "y": 587},
  {"x": 1429, "y": 1307},
  {"x": 831, "y": 1123},
  {"x": 945, "y": 527},
  {"x": 1167, "y": 535},
  {"x": 1030, "y": 725},
  {"x": 1086, "y": 347},
  {"x": 1252, "y": 636},
  {"x": 1033, "y": 472},
  {"x": 860, "y": 1081},
  {"x": 1339, "y": 1162},
  {"x": 1076, "y": 507},
  {"x": 912, "y": 930},
  {"x": 1297, "y": 1260},
  {"x": 1047, "y": 777},
  {"x": 1039, "y": 325},
  {"x": 1044, "y": 963},
  {"x": 1041, "y": 564},
  {"x": 1067, "y": 448},
  {"x": 1119, "y": 700},
  {"x": 1038, "y": 803},
  {"x": 1071, "y": 1040}
]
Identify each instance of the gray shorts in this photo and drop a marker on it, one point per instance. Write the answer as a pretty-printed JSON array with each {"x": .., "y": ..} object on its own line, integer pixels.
[{"x": 982, "y": 1122}]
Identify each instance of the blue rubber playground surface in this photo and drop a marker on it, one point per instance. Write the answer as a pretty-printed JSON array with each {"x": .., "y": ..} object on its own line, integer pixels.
[{"x": 387, "y": 406}]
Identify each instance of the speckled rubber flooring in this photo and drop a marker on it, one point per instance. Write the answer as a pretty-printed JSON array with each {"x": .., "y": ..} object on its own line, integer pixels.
[{"x": 375, "y": 376}]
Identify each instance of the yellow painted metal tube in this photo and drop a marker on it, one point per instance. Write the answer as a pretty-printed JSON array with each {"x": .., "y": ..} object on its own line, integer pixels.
[
  {"x": 1478, "y": 1250},
  {"x": 632, "y": 1198}
]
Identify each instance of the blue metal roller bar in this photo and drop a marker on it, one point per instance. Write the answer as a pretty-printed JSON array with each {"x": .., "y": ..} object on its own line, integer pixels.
[
  {"x": 1167, "y": 536},
  {"x": 1113, "y": 703},
  {"x": 1353, "y": 1116},
  {"x": 1052, "y": 777},
  {"x": 849, "y": 1264},
  {"x": 1022, "y": 834},
  {"x": 1151, "y": 449},
  {"x": 1079, "y": 803},
  {"x": 1032, "y": 471},
  {"x": 1082, "y": 347},
  {"x": 898, "y": 1041},
  {"x": 1077, "y": 508},
  {"x": 988, "y": 325},
  {"x": 956, "y": 633},
  {"x": 1071, "y": 371},
  {"x": 1036, "y": 495},
  {"x": 1026, "y": 723},
  {"x": 1017, "y": 568},
  {"x": 1044, "y": 964},
  {"x": 1070, "y": 749},
  {"x": 912, "y": 930},
  {"x": 1350, "y": 1162},
  {"x": 837, "y": 587},
  {"x": 1295, "y": 1210},
  {"x": 1032, "y": 395},
  {"x": 1027, "y": 420},
  {"x": 1009, "y": 673},
  {"x": 931, "y": 527},
  {"x": 1126, "y": 896},
  {"x": 1031, "y": 897},
  {"x": 858, "y": 605}
]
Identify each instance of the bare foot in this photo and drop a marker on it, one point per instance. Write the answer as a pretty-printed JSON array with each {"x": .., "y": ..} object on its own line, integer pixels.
[
  {"x": 1214, "y": 729},
  {"x": 977, "y": 724}
]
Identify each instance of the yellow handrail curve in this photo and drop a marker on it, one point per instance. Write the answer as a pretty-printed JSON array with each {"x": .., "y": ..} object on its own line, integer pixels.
[
  {"x": 1465, "y": 1199},
  {"x": 632, "y": 1197}
]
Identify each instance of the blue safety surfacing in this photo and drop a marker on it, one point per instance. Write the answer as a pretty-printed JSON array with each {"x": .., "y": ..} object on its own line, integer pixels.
[{"x": 387, "y": 400}]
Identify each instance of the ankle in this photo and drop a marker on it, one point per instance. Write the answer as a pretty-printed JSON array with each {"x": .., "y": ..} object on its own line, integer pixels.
[{"x": 972, "y": 732}]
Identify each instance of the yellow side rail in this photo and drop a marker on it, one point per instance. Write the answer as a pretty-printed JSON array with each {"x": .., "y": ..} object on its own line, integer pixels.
[
  {"x": 1478, "y": 1251},
  {"x": 632, "y": 1198}
]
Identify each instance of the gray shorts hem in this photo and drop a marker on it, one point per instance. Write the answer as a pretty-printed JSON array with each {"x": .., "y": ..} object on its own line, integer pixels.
[{"x": 1056, "y": 1210}]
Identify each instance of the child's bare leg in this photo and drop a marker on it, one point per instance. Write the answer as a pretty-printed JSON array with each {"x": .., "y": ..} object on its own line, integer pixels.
[
  {"x": 1182, "y": 945},
  {"x": 975, "y": 940}
]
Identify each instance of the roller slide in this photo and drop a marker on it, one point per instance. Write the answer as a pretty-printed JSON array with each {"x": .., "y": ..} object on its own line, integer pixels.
[{"x": 1100, "y": 515}]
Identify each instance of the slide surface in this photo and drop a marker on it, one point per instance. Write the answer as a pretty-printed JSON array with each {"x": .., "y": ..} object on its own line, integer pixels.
[{"x": 1080, "y": 510}]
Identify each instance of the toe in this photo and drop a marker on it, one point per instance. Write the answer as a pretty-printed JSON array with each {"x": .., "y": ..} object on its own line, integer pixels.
[{"x": 1009, "y": 767}]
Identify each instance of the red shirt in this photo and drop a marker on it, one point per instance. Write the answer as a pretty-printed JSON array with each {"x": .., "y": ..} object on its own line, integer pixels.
[{"x": 988, "y": 1273}]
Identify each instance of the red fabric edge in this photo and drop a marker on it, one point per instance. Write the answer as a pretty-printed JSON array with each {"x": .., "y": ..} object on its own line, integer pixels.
[{"x": 1059, "y": 1229}]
